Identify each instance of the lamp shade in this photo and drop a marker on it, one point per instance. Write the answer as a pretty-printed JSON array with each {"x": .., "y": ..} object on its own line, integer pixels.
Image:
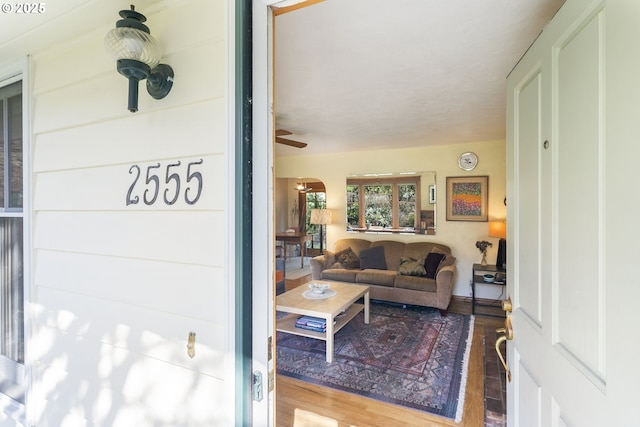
[
  {"x": 498, "y": 229},
  {"x": 320, "y": 216},
  {"x": 131, "y": 43}
]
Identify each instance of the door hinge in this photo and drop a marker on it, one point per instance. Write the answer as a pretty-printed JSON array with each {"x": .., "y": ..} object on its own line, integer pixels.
[
  {"x": 272, "y": 382},
  {"x": 256, "y": 388},
  {"x": 270, "y": 348}
]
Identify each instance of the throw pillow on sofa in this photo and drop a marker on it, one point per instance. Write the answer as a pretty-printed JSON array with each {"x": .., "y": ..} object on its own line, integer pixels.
[
  {"x": 448, "y": 258},
  {"x": 412, "y": 267},
  {"x": 373, "y": 258},
  {"x": 432, "y": 264},
  {"x": 348, "y": 259}
]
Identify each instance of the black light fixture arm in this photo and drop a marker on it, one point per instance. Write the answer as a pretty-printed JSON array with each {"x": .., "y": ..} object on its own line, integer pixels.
[
  {"x": 159, "y": 79},
  {"x": 134, "y": 71}
]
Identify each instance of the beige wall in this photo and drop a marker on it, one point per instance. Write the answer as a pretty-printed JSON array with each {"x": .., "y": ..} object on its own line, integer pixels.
[
  {"x": 460, "y": 236},
  {"x": 117, "y": 287}
]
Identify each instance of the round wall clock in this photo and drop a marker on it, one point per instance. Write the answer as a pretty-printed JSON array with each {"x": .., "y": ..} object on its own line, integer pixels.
[{"x": 467, "y": 161}]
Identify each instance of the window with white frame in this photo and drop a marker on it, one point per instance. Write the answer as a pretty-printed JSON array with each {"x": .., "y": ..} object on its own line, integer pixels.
[{"x": 12, "y": 331}]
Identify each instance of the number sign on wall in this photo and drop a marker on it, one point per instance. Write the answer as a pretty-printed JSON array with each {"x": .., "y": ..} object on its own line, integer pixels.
[{"x": 162, "y": 183}]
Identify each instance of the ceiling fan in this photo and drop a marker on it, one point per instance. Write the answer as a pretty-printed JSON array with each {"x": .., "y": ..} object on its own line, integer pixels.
[
  {"x": 302, "y": 187},
  {"x": 290, "y": 142}
]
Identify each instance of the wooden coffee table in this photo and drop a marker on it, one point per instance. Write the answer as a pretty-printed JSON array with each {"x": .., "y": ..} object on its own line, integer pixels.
[{"x": 294, "y": 303}]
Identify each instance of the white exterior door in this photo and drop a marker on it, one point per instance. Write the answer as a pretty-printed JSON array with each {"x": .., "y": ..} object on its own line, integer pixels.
[
  {"x": 263, "y": 325},
  {"x": 263, "y": 335},
  {"x": 573, "y": 132}
]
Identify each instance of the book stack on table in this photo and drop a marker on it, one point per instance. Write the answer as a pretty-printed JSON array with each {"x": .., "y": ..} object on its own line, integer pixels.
[{"x": 311, "y": 323}]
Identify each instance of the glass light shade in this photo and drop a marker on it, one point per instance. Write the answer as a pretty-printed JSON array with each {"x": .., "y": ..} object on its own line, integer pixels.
[{"x": 130, "y": 43}]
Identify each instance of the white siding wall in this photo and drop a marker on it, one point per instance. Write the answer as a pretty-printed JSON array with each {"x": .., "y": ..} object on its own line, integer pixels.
[{"x": 118, "y": 288}]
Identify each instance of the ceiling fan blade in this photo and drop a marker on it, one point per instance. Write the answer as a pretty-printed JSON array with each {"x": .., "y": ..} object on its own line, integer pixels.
[
  {"x": 290, "y": 142},
  {"x": 282, "y": 132}
]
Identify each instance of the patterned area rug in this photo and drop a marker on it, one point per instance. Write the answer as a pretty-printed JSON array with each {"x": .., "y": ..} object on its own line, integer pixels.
[{"x": 406, "y": 356}]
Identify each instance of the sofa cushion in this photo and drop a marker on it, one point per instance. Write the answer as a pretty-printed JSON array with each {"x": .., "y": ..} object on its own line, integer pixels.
[
  {"x": 431, "y": 264},
  {"x": 348, "y": 258},
  {"x": 416, "y": 283},
  {"x": 412, "y": 267},
  {"x": 329, "y": 259},
  {"x": 417, "y": 250},
  {"x": 377, "y": 277},
  {"x": 356, "y": 245},
  {"x": 373, "y": 258},
  {"x": 340, "y": 274},
  {"x": 448, "y": 258},
  {"x": 392, "y": 252}
]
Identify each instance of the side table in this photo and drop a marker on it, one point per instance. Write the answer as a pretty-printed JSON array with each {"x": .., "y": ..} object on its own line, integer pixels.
[
  {"x": 294, "y": 238},
  {"x": 479, "y": 271}
]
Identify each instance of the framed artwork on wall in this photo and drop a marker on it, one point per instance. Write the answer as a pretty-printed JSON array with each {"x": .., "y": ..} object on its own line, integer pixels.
[{"x": 467, "y": 198}]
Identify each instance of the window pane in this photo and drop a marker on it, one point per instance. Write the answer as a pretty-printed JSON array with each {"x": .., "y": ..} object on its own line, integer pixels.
[
  {"x": 378, "y": 205},
  {"x": 407, "y": 205},
  {"x": 353, "y": 205},
  {"x": 11, "y": 244},
  {"x": 315, "y": 200},
  {"x": 15, "y": 151},
  {"x": 11, "y": 289}
]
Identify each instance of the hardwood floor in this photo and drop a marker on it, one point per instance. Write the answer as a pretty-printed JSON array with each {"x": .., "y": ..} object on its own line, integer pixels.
[{"x": 300, "y": 404}]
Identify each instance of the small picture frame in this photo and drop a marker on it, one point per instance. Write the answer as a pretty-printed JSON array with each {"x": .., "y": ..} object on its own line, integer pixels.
[
  {"x": 432, "y": 194},
  {"x": 467, "y": 198}
]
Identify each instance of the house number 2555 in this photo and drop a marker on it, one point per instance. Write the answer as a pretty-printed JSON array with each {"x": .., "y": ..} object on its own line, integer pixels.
[{"x": 163, "y": 183}]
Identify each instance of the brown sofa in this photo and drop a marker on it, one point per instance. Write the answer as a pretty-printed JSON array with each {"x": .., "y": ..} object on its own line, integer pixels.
[{"x": 391, "y": 281}]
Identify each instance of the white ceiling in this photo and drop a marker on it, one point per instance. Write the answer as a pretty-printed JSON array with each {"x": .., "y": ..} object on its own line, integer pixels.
[
  {"x": 371, "y": 74},
  {"x": 357, "y": 74}
]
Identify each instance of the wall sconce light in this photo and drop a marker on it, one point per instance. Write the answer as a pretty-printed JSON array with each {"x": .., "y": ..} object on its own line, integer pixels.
[{"x": 138, "y": 57}]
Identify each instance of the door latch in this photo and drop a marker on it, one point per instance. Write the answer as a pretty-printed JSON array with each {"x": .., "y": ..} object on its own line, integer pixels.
[{"x": 256, "y": 389}]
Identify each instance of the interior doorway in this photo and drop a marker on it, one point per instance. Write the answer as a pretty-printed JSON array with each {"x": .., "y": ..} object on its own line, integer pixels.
[{"x": 301, "y": 218}]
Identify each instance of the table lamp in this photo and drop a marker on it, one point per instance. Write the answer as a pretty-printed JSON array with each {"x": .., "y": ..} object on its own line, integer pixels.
[
  {"x": 320, "y": 217},
  {"x": 499, "y": 229}
]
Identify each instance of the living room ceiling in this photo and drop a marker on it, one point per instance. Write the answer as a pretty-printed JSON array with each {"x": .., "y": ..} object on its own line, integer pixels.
[
  {"x": 359, "y": 74},
  {"x": 355, "y": 75}
]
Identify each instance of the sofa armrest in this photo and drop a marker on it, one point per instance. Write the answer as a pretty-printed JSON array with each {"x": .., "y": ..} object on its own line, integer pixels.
[
  {"x": 317, "y": 265},
  {"x": 444, "y": 283}
]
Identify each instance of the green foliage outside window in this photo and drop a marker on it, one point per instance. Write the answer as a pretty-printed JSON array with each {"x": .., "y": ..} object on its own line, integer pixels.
[
  {"x": 378, "y": 203},
  {"x": 353, "y": 205},
  {"x": 407, "y": 205},
  {"x": 387, "y": 204},
  {"x": 315, "y": 200}
]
